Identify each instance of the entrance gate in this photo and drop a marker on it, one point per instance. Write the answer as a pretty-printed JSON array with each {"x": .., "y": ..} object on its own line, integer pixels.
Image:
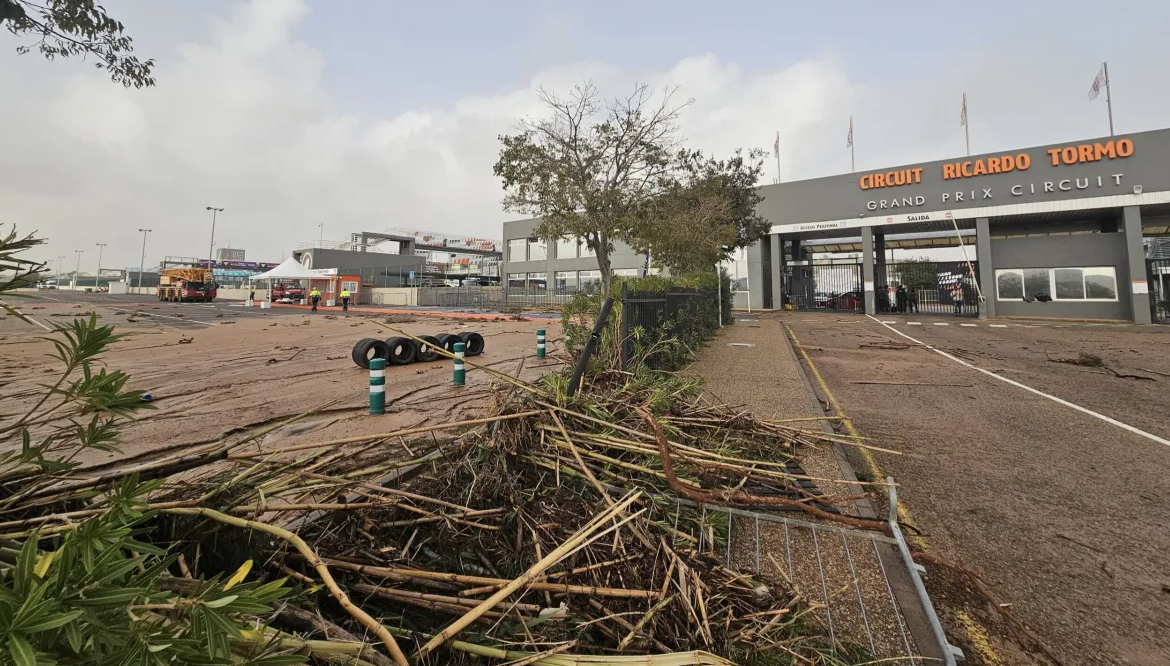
[
  {"x": 1158, "y": 273},
  {"x": 927, "y": 287},
  {"x": 834, "y": 287}
]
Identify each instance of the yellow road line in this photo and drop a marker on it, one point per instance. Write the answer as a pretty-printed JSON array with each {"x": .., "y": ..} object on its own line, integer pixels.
[{"x": 979, "y": 640}]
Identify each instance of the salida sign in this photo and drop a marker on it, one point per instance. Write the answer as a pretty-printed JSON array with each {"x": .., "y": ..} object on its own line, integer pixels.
[{"x": 1017, "y": 163}]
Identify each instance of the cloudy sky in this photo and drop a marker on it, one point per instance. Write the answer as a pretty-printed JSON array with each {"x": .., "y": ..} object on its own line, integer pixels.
[{"x": 369, "y": 114}]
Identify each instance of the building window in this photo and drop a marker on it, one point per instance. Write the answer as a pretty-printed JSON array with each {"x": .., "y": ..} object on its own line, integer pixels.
[
  {"x": 350, "y": 286},
  {"x": 537, "y": 250},
  {"x": 567, "y": 248},
  {"x": 516, "y": 280},
  {"x": 566, "y": 281},
  {"x": 537, "y": 281},
  {"x": 518, "y": 249},
  {"x": 1097, "y": 283},
  {"x": 587, "y": 251},
  {"x": 589, "y": 277}
]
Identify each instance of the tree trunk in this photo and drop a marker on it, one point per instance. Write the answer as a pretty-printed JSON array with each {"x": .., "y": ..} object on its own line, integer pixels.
[{"x": 603, "y": 263}]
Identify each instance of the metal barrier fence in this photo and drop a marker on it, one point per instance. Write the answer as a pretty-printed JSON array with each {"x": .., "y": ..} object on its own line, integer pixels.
[
  {"x": 927, "y": 287},
  {"x": 835, "y": 287},
  {"x": 649, "y": 318},
  {"x": 495, "y": 298},
  {"x": 1158, "y": 274}
]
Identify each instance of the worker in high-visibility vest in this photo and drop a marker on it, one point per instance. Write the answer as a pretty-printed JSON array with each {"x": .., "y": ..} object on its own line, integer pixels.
[
  {"x": 315, "y": 298},
  {"x": 345, "y": 300}
]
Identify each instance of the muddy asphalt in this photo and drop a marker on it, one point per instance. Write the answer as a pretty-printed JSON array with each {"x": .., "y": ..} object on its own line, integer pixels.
[
  {"x": 219, "y": 371},
  {"x": 1066, "y": 516}
]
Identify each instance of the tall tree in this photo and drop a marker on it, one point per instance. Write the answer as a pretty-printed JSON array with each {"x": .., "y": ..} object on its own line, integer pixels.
[
  {"x": 587, "y": 165},
  {"x": 705, "y": 211},
  {"x": 70, "y": 28}
]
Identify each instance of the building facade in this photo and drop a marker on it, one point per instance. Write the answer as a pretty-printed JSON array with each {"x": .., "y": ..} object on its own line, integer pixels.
[
  {"x": 562, "y": 267},
  {"x": 1050, "y": 231}
]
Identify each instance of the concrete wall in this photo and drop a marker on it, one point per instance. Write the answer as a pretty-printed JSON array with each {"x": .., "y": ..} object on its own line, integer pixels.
[
  {"x": 1060, "y": 251},
  {"x": 390, "y": 296},
  {"x": 623, "y": 256},
  {"x": 225, "y": 294}
]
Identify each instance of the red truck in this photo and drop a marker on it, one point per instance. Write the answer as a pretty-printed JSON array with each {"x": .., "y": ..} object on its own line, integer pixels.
[{"x": 292, "y": 291}]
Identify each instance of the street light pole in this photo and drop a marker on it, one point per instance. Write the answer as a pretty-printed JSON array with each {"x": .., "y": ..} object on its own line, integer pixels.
[
  {"x": 101, "y": 246},
  {"x": 77, "y": 271},
  {"x": 60, "y": 262},
  {"x": 142, "y": 261},
  {"x": 211, "y": 247}
]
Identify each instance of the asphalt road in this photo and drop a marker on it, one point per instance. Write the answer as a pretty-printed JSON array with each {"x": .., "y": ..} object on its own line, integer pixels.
[
  {"x": 180, "y": 315},
  {"x": 1063, "y": 512}
]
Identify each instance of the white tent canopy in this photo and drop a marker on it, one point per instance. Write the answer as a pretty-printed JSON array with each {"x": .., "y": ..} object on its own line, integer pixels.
[{"x": 290, "y": 269}]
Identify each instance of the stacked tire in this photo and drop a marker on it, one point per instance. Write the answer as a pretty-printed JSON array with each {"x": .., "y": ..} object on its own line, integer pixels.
[{"x": 402, "y": 350}]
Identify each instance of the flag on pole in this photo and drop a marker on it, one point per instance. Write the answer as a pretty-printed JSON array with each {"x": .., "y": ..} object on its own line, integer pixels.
[
  {"x": 963, "y": 115},
  {"x": 849, "y": 137},
  {"x": 776, "y": 146},
  {"x": 1098, "y": 83}
]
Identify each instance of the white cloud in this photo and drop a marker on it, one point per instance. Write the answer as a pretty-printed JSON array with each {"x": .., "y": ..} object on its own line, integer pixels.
[{"x": 241, "y": 119}]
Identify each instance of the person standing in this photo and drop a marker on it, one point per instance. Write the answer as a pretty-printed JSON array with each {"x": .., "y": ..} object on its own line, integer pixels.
[
  {"x": 957, "y": 297},
  {"x": 345, "y": 300},
  {"x": 315, "y": 298},
  {"x": 251, "y": 296},
  {"x": 900, "y": 299}
]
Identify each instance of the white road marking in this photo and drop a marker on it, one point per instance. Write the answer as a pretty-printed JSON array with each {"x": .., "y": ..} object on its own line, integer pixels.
[
  {"x": 1059, "y": 401},
  {"x": 998, "y": 325},
  {"x": 939, "y": 323},
  {"x": 969, "y": 325},
  {"x": 889, "y": 322},
  {"x": 913, "y": 323},
  {"x": 28, "y": 317}
]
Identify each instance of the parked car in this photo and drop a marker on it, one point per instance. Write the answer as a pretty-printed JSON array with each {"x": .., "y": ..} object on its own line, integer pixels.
[
  {"x": 47, "y": 284},
  {"x": 821, "y": 299},
  {"x": 851, "y": 300}
]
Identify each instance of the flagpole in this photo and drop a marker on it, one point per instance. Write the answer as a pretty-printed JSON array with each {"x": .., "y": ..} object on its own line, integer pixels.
[
  {"x": 777, "y": 153},
  {"x": 966, "y": 125},
  {"x": 852, "y": 155},
  {"x": 1108, "y": 97}
]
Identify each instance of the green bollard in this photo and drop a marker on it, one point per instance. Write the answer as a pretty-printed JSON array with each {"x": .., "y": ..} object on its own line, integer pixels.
[
  {"x": 460, "y": 373},
  {"x": 377, "y": 386},
  {"x": 540, "y": 343}
]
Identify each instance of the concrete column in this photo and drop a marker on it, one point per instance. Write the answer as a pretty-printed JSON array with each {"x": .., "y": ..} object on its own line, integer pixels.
[
  {"x": 867, "y": 269},
  {"x": 757, "y": 273},
  {"x": 796, "y": 251},
  {"x": 1139, "y": 283},
  {"x": 777, "y": 271},
  {"x": 986, "y": 267},
  {"x": 879, "y": 248}
]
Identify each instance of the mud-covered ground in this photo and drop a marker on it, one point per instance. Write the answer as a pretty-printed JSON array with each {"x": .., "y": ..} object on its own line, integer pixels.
[
  {"x": 225, "y": 371},
  {"x": 1065, "y": 513}
]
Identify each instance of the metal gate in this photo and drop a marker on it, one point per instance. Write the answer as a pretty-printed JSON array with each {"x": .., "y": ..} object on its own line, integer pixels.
[
  {"x": 927, "y": 287},
  {"x": 834, "y": 287},
  {"x": 1158, "y": 273}
]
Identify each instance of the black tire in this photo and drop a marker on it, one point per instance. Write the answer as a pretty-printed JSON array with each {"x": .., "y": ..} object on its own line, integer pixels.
[
  {"x": 426, "y": 352},
  {"x": 367, "y": 349},
  {"x": 402, "y": 350},
  {"x": 473, "y": 343},
  {"x": 447, "y": 341}
]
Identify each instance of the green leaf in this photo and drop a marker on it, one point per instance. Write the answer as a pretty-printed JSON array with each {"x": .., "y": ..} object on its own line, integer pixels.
[
  {"x": 74, "y": 636},
  {"x": 22, "y": 652},
  {"x": 51, "y": 622},
  {"x": 111, "y": 597},
  {"x": 281, "y": 660},
  {"x": 25, "y": 561},
  {"x": 221, "y": 602}
]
